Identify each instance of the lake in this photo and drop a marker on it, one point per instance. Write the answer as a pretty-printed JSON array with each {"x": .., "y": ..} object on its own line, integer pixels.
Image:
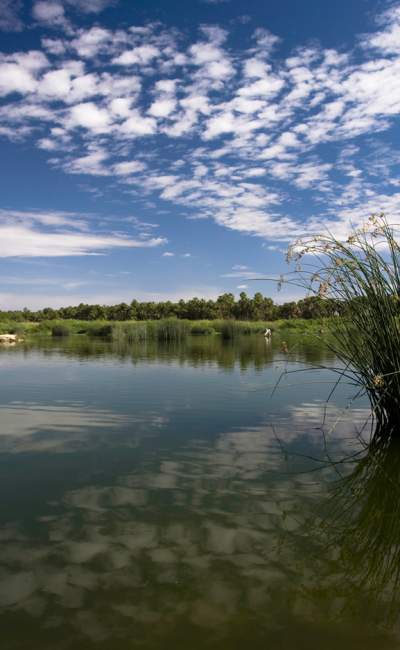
[{"x": 174, "y": 496}]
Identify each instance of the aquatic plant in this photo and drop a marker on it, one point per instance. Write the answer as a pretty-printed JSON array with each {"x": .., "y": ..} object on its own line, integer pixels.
[{"x": 362, "y": 276}]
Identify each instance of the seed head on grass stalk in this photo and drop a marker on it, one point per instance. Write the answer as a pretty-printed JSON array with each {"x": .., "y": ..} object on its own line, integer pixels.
[{"x": 361, "y": 275}]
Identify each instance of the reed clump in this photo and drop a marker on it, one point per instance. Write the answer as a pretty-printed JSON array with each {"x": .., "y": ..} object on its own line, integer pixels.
[
  {"x": 128, "y": 332},
  {"x": 362, "y": 276},
  {"x": 232, "y": 329},
  {"x": 169, "y": 329}
]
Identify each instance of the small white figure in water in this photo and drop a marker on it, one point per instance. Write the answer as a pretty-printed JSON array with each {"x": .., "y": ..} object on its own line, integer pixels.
[{"x": 267, "y": 333}]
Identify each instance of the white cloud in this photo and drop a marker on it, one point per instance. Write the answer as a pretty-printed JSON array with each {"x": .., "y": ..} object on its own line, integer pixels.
[
  {"x": 137, "y": 56},
  {"x": 18, "y": 72},
  {"x": 232, "y": 134},
  {"x": 49, "y": 11},
  {"x": 168, "y": 254},
  {"x": 256, "y": 67},
  {"x": 91, "y": 6},
  {"x": 59, "y": 234},
  {"x": 128, "y": 167},
  {"x": 265, "y": 87},
  {"x": 45, "y": 218},
  {"x": 211, "y": 58},
  {"x": 92, "y": 164},
  {"x": 10, "y": 20},
  {"x": 17, "y": 241},
  {"x": 89, "y": 116},
  {"x": 90, "y": 42},
  {"x": 162, "y": 107},
  {"x": 14, "y": 78},
  {"x": 55, "y": 84},
  {"x": 388, "y": 40},
  {"x": 138, "y": 125},
  {"x": 265, "y": 40}
]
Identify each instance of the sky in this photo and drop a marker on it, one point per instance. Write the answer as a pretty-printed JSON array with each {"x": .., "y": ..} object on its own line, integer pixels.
[{"x": 160, "y": 149}]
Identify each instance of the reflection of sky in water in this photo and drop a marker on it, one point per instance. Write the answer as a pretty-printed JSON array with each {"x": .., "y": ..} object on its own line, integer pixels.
[
  {"x": 178, "y": 512},
  {"x": 64, "y": 427}
]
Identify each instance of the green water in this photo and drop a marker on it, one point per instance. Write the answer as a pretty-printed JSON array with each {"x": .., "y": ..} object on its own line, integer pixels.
[{"x": 159, "y": 497}]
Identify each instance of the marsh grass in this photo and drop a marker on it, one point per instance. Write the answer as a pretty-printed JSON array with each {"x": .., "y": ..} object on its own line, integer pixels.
[{"x": 362, "y": 275}]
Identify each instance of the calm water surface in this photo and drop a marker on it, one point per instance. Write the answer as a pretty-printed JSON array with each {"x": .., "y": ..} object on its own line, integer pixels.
[{"x": 159, "y": 497}]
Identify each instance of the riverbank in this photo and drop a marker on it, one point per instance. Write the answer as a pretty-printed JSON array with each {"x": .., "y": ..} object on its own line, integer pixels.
[{"x": 164, "y": 329}]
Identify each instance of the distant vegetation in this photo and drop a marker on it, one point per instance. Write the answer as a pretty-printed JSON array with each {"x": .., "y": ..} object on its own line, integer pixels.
[{"x": 225, "y": 307}]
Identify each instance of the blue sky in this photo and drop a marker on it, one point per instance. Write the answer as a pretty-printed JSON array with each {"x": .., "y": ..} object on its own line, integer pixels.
[{"x": 159, "y": 149}]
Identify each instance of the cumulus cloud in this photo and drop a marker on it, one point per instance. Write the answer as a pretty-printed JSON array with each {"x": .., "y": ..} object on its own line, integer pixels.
[
  {"x": 89, "y": 116},
  {"x": 238, "y": 135}
]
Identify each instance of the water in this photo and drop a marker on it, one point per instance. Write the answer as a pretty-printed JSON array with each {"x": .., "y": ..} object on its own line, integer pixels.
[{"x": 158, "y": 497}]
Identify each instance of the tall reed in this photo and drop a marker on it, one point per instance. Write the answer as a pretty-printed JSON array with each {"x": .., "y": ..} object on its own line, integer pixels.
[{"x": 362, "y": 274}]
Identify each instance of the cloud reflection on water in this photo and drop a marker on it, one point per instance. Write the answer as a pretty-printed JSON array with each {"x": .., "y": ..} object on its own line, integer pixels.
[
  {"x": 198, "y": 533},
  {"x": 58, "y": 428}
]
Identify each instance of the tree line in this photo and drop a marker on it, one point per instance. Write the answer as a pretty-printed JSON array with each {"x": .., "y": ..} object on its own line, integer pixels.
[{"x": 226, "y": 306}]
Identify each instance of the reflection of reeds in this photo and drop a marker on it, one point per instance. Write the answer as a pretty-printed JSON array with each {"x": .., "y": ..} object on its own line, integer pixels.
[{"x": 366, "y": 520}]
